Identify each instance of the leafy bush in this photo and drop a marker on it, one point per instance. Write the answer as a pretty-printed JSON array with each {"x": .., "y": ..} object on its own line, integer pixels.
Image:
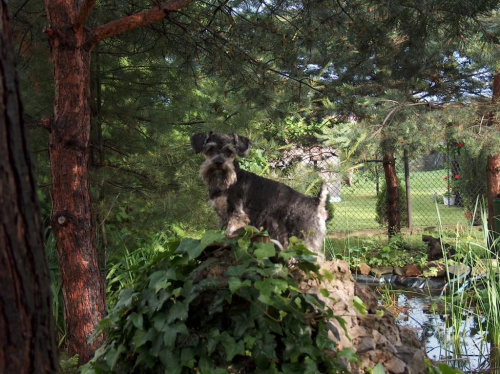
[
  {"x": 381, "y": 207},
  {"x": 219, "y": 305}
]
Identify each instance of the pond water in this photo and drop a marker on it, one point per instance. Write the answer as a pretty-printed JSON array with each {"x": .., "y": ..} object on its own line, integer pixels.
[{"x": 462, "y": 347}]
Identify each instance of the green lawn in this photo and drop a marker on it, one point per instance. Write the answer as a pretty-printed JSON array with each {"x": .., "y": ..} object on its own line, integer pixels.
[{"x": 356, "y": 211}]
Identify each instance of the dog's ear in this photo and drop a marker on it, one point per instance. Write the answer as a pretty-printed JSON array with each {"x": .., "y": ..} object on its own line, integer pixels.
[
  {"x": 198, "y": 141},
  {"x": 242, "y": 145}
]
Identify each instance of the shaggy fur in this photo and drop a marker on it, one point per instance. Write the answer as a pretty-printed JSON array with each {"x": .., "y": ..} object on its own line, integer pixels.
[{"x": 241, "y": 198}]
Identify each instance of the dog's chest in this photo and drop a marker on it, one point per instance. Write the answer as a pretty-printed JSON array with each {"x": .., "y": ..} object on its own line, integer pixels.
[{"x": 219, "y": 204}]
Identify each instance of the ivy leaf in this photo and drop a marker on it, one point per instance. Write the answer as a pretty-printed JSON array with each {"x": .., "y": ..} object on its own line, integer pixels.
[
  {"x": 231, "y": 346},
  {"x": 322, "y": 340},
  {"x": 234, "y": 284},
  {"x": 171, "y": 362},
  {"x": 113, "y": 355},
  {"x": 158, "y": 280},
  {"x": 159, "y": 321},
  {"x": 342, "y": 322},
  {"x": 349, "y": 354},
  {"x": 264, "y": 250},
  {"x": 190, "y": 246},
  {"x": 141, "y": 337},
  {"x": 213, "y": 340},
  {"x": 359, "y": 305},
  {"x": 179, "y": 311},
  {"x": 137, "y": 320},
  {"x": 211, "y": 237},
  {"x": 266, "y": 288},
  {"x": 126, "y": 297},
  {"x": 327, "y": 274},
  {"x": 171, "y": 334},
  {"x": 378, "y": 369}
]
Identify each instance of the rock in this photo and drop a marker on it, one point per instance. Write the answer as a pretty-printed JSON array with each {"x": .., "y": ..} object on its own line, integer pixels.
[
  {"x": 437, "y": 269},
  {"x": 484, "y": 266},
  {"x": 366, "y": 294},
  {"x": 395, "y": 365},
  {"x": 367, "y": 344},
  {"x": 413, "y": 357},
  {"x": 379, "y": 271},
  {"x": 398, "y": 270},
  {"x": 408, "y": 337},
  {"x": 364, "y": 269},
  {"x": 458, "y": 270},
  {"x": 412, "y": 271}
]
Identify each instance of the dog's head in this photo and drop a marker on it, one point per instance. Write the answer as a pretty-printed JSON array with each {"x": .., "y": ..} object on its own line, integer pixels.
[{"x": 219, "y": 150}]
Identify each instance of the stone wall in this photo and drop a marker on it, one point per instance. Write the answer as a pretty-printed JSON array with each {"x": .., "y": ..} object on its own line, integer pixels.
[{"x": 375, "y": 337}]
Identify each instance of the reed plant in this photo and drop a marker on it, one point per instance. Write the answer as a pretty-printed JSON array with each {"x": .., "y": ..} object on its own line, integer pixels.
[{"x": 473, "y": 295}]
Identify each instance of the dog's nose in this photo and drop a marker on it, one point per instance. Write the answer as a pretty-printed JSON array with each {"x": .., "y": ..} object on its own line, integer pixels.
[{"x": 218, "y": 162}]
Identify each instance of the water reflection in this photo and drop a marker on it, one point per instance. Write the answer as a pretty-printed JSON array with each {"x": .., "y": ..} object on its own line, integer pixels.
[{"x": 463, "y": 346}]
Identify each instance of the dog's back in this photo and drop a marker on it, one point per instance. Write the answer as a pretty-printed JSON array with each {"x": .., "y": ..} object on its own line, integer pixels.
[{"x": 279, "y": 209}]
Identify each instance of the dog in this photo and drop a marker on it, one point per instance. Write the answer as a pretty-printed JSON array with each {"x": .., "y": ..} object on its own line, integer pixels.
[{"x": 241, "y": 198}]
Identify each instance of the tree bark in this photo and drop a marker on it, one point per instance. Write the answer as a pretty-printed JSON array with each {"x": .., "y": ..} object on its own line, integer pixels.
[
  {"x": 493, "y": 165},
  {"x": 69, "y": 149},
  {"x": 82, "y": 283},
  {"x": 393, "y": 216},
  {"x": 493, "y": 187},
  {"x": 27, "y": 341}
]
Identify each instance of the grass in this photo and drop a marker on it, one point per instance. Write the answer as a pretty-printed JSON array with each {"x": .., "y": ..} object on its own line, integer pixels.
[{"x": 356, "y": 211}]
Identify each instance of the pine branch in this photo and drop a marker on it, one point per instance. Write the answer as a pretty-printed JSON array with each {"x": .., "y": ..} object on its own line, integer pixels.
[{"x": 137, "y": 20}]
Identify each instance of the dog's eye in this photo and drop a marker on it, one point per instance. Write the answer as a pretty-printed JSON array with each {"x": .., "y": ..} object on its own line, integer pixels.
[
  {"x": 209, "y": 150},
  {"x": 228, "y": 152}
]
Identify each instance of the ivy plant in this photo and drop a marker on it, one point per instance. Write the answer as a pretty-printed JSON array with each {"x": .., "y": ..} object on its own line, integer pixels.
[{"x": 219, "y": 305}]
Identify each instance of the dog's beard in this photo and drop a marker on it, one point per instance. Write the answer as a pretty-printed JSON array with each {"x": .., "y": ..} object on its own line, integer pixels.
[{"x": 218, "y": 177}]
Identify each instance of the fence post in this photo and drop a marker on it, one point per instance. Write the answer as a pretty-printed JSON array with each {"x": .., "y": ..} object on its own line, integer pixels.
[{"x": 407, "y": 186}]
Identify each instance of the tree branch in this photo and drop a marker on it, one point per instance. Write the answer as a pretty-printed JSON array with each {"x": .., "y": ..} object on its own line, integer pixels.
[
  {"x": 84, "y": 13},
  {"x": 137, "y": 20}
]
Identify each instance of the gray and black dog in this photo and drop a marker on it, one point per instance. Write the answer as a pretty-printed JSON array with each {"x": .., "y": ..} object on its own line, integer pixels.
[{"x": 241, "y": 198}]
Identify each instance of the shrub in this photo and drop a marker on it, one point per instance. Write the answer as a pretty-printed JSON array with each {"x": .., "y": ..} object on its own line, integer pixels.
[
  {"x": 381, "y": 206},
  {"x": 218, "y": 305},
  {"x": 472, "y": 182}
]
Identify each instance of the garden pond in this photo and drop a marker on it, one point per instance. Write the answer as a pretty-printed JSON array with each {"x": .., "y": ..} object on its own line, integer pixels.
[{"x": 461, "y": 345}]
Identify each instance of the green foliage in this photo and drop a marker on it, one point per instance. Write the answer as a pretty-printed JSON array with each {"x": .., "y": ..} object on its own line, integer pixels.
[
  {"x": 255, "y": 162},
  {"x": 69, "y": 365},
  {"x": 295, "y": 129},
  {"x": 218, "y": 305},
  {"x": 381, "y": 207},
  {"x": 397, "y": 251}
]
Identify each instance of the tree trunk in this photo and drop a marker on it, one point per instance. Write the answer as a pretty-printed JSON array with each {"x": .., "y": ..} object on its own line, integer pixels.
[
  {"x": 408, "y": 189},
  {"x": 82, "y": 283},
  {"x": 493, "y": 165},
  {"x": 493, "y": 187},
  {"x": 393, "y": 216},
  {"x": 69, "y": 148},
  {"x": 27, "y": 341}
]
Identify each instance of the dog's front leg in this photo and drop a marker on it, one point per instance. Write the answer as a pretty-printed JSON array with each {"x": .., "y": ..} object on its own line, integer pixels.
[{"x": 237, "y": 219}]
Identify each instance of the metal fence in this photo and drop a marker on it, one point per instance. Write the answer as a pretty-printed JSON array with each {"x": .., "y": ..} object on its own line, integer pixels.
[{"x": 357, "y": 191}]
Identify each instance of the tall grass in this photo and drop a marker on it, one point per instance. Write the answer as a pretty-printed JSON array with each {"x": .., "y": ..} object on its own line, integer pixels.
[
  {"x": 476, "y": 295},
  {"x": 55, "y": 286}
]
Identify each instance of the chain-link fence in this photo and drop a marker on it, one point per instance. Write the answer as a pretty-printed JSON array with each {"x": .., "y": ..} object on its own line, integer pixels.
[{"x": 443, "y": 188}]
